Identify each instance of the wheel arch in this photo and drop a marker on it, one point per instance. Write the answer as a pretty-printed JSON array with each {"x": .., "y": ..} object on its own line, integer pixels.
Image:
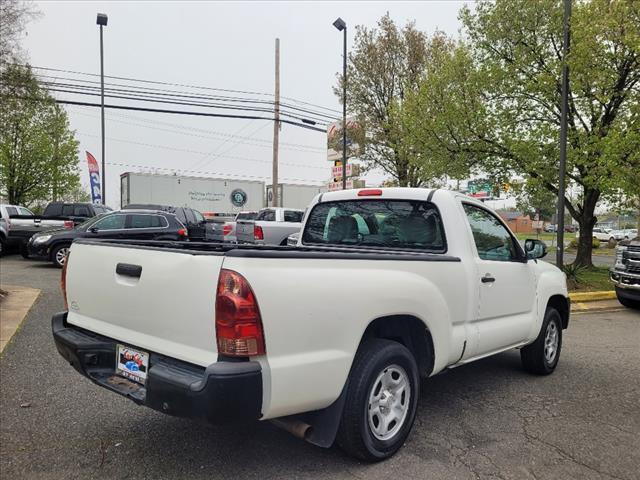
[
  {"x": 57, "y": 244},
  {"x": 409, "y": 331},
  {"x": 561, "y": 304}
]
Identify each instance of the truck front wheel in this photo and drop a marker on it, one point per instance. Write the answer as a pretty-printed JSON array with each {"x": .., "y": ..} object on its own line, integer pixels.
[
  {"x": 628, "y": 302},
  {"x": 381, "y": 402},
  {"x": 541, "y": 356}
]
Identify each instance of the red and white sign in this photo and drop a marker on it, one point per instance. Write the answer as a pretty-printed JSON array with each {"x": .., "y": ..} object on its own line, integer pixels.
[
  {"x": 94, "y": 178},
  {"x": 333, "y": 186},
  {"x": 353, "y": 170}
]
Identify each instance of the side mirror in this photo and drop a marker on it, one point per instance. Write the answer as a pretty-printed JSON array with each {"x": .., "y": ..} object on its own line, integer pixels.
[
  {"x": 93, "y": 230},
  {"x": 535, "y": 248}
]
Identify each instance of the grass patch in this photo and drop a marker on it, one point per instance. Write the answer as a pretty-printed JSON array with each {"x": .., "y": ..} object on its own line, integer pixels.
[
  {"x": 594, "y": 279},
  {"x": 543, "y": 236}
]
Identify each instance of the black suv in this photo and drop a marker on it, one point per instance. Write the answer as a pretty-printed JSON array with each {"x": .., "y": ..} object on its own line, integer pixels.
[
  {"x": 53, "y": 245},
  {"x": 195, "y": 222}
]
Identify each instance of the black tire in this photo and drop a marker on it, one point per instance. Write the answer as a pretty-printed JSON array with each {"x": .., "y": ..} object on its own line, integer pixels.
[
  {"x": 24, "y": 251},
  {"x": 374, "y": 359},
  {"x": 3, "y": 246},
  {"x": 536, "y": 358},
  {"x": 627, "y": 302},
  {"x": 57, "y": 254}
]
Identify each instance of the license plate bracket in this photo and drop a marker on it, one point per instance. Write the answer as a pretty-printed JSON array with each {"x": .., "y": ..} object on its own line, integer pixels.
[{"x": 132, "y": 363}]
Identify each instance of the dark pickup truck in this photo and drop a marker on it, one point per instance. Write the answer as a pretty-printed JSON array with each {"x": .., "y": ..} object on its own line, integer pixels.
[{"x": 22, "y": 224}]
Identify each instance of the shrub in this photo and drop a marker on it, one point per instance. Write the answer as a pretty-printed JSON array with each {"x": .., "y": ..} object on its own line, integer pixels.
[
  {"x": 574, "y": 275},
  {"x": 573, "y": 244}
]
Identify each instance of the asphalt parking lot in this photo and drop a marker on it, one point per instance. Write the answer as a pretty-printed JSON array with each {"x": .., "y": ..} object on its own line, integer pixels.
[{"x": 486, "y": 420}]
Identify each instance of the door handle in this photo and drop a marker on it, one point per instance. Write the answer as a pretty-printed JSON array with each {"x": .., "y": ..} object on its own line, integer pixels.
[
  {"x": 488, "y": 278},
  {"x": 129, "y": 270}
]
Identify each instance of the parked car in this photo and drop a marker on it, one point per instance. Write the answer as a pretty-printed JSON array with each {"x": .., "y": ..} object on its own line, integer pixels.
[
  {"x": 22, "y": 223},
  {"x": 224, "y": 229},
  {"x": 551, "y": 227},
  {"x": 625, "y": 274},
  {"x": 4, "y": 233},
  {"x": 195, "y": 222},
  {"x": 271, "y": 226},
  {"x": 602, "y": 234},
  {"x": 625, "y": 234},
  {"x": 125, "y": 224},
  {"x": 329, "y": 338}
]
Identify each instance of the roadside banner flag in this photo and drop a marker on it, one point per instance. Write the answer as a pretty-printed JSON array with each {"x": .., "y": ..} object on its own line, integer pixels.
[{"x": 94, "y": 177}]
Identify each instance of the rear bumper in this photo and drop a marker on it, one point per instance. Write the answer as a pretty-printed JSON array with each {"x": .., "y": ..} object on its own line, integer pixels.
[{"x": 223, "y": 392}]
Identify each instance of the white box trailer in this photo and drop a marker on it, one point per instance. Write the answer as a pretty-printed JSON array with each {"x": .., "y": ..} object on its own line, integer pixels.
[
  {"x": 218, "y": 195},
  {"x": 293, "y": 195}
]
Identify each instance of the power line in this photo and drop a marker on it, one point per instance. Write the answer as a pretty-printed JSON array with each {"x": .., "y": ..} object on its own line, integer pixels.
[
  {"x": 155, "y": 82},
  {"x": 212, "y": 134},
  {"x": 174, "y": 102},
  {"x": 198, "y": 152},
  {"x": 181, "y": 112},
  {"x": 176, "y": 93}
]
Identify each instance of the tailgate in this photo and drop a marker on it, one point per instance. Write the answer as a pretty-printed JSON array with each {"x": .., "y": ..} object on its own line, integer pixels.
[
  {"x": 169, "y": 309},
  {"x": 244, "y": 231}
]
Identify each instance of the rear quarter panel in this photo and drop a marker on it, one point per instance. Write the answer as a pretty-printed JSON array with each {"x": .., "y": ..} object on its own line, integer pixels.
[{"x": 315, "y": 311}]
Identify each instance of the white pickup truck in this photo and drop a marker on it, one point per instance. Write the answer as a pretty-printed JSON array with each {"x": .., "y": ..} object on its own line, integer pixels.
[
  {"x": 328, "y": 339},
  {"x": 271, "y": 226}
]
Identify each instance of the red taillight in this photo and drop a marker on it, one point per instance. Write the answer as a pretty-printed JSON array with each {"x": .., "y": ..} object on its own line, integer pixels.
[
  {"x": 238, "y": 322},
  {"x": 68, "y": 224},
  {"x": 63, "y": 280},
  {"x": 182, "y": 232},
  {"x": 258, "y": 234},
  {"x": 369, "y": 192},
  {"x": 226, "y": 229}
]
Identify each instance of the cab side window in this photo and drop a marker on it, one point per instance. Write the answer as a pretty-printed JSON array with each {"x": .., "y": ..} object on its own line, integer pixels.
[{"x": 493, "y": 241}]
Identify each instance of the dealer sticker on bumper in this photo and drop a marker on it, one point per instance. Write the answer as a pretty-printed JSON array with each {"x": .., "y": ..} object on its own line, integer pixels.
[{"x": 132, "y": 364}]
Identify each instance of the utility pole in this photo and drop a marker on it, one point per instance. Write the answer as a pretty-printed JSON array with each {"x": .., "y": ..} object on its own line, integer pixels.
[
  {"x": 563, "y": 134},
  {"x": 276, "y": 129},
  {"x": 344, "y": 109},
  {"x": 102, "y": 21}
]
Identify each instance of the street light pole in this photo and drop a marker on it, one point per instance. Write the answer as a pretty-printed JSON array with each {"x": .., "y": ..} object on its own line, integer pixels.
[
  {"x": 563, "y": 134},
  {"x": 102, "y": 21},
  {"x": 342, "y": 26}
]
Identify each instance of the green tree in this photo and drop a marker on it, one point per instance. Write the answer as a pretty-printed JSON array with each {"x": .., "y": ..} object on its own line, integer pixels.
[
  {"x": 533, "y": 198},
  {"x": 384, "y": 65},
  {"x": 38, "y": 151},
  {"x": 494, "y": 104}
]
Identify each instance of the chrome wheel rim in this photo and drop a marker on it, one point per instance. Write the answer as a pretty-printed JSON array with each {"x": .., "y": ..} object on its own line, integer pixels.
[
  {"x": 388, "y": 404},
  {"x": 61, "y": 255},
  {"x": 551, "y": 340}
]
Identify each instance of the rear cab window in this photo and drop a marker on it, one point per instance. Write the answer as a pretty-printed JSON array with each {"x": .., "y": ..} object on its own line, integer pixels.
[
  {"x": 293, "y": 216},
  {"x": 267, "y": 215},
  {"x": 385, "y": 224}
]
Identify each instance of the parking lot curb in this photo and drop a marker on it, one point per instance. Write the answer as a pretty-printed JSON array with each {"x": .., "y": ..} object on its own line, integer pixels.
[
  {"x": 592, "y": 296},
  {"x": 13, "y": 310}
]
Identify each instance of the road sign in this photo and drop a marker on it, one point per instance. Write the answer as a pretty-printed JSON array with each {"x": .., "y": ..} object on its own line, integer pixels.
[
  {"x": 334, "y": 186},
  {"x": 353, "y": 170},
  {"x": 334, "y": 139}
]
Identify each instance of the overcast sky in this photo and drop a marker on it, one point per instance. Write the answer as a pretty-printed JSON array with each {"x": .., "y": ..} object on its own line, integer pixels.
[{"x": 228, "y": 45}]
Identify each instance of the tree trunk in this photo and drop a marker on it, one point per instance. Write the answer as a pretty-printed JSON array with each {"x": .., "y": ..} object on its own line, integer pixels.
[{"x": 587, "y": 220}]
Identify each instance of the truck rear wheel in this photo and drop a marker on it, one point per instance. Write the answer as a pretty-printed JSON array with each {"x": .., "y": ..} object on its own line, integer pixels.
[
  {"x": 381, "y": 403},
  {"x": 541, "y": 356}
]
